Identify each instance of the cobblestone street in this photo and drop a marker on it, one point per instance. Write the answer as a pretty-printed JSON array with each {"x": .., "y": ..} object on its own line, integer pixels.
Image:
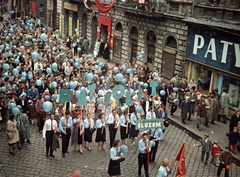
[{"x": 31, "y": 160}]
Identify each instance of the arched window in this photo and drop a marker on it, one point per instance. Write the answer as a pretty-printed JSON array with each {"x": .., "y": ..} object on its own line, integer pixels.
[
  {"x": 133, "y": 45},
  {"x": 151, "y": 40},
  {"x": 117, "y": 42},
  {"x": 169, "y": 57}
]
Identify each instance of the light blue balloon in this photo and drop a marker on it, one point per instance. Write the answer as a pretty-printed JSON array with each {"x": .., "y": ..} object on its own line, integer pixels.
[
  {"x": 54, "y": 97},
  {"x": 23, "y": 78},
  {"x": 5, "y": 31},
  {"x": 15, "y": 71},
  {"x": 27, "y": 43},
  {"x": 35, "y": 55},
  {"x": 50, "y": 41},
  {"x": 10, "y": 54},
  {"x": 19, "y": 54},
  {"x": 102, "y": 77},
  {"x": 76, "y": 30},
  {"x": 73, "y": 45},
  {"x": 89, "y": 76},
  {"x": 99, "y": 100},
  {"x": 47, "y": 97},
  {"x": 7, "y": 48},
  {"x": 124, "y": 81},
  {"x": 96, "y": 67},
  {"x": 119, "y": 77},
  {"x": 30, "y": 77},
  {"x": 162, "y": 92},
  {"x": 30, "y": 36},
  {"x": 72, "y": 85},
  {"x": 101, "y": 65},
  {"x": 175, "y": 89},
  {"x": 12, "y": 105},
  {"x": 76, "y": 64},
  {"x": 38, "y": 82},
  {"x": 115, "y": 69},
  {"x": 71, "y": 61},
  {"x": 1, "y": 47},
  {"x": 142, "y": 52},
  {"x": 140, "y": 57},
  {"x": 19, "y": 68},
  {"x": 138, "y": 109},
  {"x": 54, "y": 66},
  {"x": 11, "y": 30},
  {"x": 44, "y": 29},
  {"x": 6, "y": 66},
  {"x": 43, "y": 36},
  {"x": 141, "y": 84},
  {"x": 49, "y": 70},
  {"x": 89, "y": 56},
  {"x": 5, "y": 74},
  {"x": 77, "y": 60},
  {"x": 129, "y": 71},
  {"x": 24, "y": 74},
  {"x": 175, "y": 101},
  {"x": 124, "y": 68},
  {"x": 47, "y": 47},
  {"x": 145, "y": 85},
  {"x": 7, "y": 38},
  {"x": 34, "y": 40},
  {"x": 3, "y": 89},
  {"x": 123, "y": 149},
  {"x": 47, "y": 106},
  {"x": 15, "y": 111},
  {"x": 79, "y": 49},
  {"x": 54, "y": 84},
  {"x": 77, "y": 93}
]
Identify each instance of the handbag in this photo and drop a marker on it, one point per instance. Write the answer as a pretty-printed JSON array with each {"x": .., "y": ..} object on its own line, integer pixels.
[
  {"x": 10, "y": 135},
  {"x": 92, "y": 130},
  {"x": 120, "y": 160},
  {"x": 166, "y": 123}
]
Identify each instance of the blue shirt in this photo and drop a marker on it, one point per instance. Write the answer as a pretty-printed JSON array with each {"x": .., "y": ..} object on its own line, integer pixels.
[
  {"x": 133, "y": 118},
  {"x": 61, "y": 123},
  {"x": 100, "y": 123},
  {"x": 86, "y": 123},
  {"x": 122, "y": 120},
  {"x": 159, "y": 115},
  {"x": 115, "y": 153},
  {"x": 149, "y": 115},
  {"x": 158, "y": 135},
  {"x": 134, "y": 88},
  {"x": 141, "y": 146},
  {"x": 162, "y": 172}
]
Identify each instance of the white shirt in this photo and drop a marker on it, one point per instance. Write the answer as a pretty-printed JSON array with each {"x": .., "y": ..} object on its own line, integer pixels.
[
  {"x": 47, "y": 126},
  {"x": 101, "y": 93},
  {"x": 111, "y": 119},
  {"x": 22, "y": 102}
]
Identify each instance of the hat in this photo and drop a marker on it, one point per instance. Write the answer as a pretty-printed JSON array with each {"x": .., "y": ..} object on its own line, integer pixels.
[{"x": 67, "y": 112}]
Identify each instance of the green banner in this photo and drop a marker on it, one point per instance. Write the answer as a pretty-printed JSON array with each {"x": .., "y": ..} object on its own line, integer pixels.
[{"x": 149, "y": 124}]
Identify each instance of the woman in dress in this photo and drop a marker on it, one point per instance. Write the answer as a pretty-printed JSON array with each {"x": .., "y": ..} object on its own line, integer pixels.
[
  {"x": 164, "y": 170},
  {"x": 77, "y": 133},
  {"x": 201, "y": 114},
  {"x": 12, "y": 128},
  {"x": 88, "y": 126},
  {"x": 133, "y": 132},
  {"x": 101, "y": 131},
  {"x": 115, "y": 155},
  {"x": 125, "y": 126}
]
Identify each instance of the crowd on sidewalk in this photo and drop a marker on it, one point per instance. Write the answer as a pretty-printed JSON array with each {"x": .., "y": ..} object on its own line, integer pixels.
[{"x": 35, "y": 65}]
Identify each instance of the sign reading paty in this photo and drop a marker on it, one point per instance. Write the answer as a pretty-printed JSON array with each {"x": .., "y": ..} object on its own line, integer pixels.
[{"x": 149, "y": 124}]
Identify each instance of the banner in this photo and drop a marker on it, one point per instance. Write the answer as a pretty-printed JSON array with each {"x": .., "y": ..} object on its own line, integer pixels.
[
  {"x": 181, "y": 171},
  {"x": 70, "y": 26},
  {"x": 149, "y": 124}
]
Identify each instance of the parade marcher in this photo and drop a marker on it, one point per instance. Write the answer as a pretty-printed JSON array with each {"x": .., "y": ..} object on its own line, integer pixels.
[
  {"x": 165, "y": 96},
  {"x": 115, "y": 158},
  {"x": 185, "y": 108},
  {"x": 151, "y": 114},
  {"x": 172, "y": 105},
  {"x": 65, "y": 125},
  {"x": 164, "y": 170},
  {"x": 225, "y": 158},
  {"x": 89, "y": 129},
  {"x": 12, "y": 132},
  {"x": 144, "y": 148},
  {"x": 133, "y": 132},
  {"x": 224, "y": 104},
  {"x": 113, "y": 122},
  {"x": 206, "y": 148},
  {"x": 101, "y": 131},
  {"x": 215, "y": 151},
  {"x": 77, "y": 133},
  {"x": 48, "y": 132},
  {"x": 156, "y": 135},
  {"x": 201, "y": 115},
  {"x": 125, "y": 126}
]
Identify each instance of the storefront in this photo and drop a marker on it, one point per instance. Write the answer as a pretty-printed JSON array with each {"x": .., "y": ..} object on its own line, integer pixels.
[
  {"x": 213, "y": 61},
  {"x": 71, "y": 18}
]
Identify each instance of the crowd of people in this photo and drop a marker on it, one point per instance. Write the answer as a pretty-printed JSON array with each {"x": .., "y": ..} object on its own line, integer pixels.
[{"x": 35, "y": 65}]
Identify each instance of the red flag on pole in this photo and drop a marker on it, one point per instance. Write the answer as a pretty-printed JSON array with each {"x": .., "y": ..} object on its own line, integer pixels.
[{"x": 181, "y": 171}]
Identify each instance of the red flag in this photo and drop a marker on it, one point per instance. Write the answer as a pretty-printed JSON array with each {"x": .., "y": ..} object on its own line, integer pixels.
[{"x": 181, "y": 171}]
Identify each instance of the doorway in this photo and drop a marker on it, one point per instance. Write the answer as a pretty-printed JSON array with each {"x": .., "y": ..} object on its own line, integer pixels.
[
  {"x": 84, "y": 25},
  {"x": 104, "y": 33},
  {"x": 134, "y": 45},
  {"x": 94, "y": 31}
]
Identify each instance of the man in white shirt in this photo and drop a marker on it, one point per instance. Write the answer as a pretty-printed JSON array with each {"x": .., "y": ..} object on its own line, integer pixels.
[
  {"x": 48, "y": 133},
  {"x": 113, "y": 121}
]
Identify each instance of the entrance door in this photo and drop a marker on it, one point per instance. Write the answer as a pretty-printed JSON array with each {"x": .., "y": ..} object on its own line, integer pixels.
[
  {"x": 55, "y": 14},
  {"x": 134, "y": 52},
  {"x": 168, "y": 63},
  {"x": 94, "y": 31},
  {"x": 84, "y": 25},
  {"x": 104, "y": 33}
]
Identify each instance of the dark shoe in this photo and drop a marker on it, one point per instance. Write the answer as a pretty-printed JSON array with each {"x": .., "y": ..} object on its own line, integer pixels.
[
  {"x": 89, "y": 149},
  {"x": 12, "y": 153},
  {"x": 63, "y": 155},
  {"x": 206, "y": 163},
  {"x": 19, "y": 148},
  {"x": 28, "y": 141},
  {"x": 75, "y": 150},
  {"x": 224, "y": 122},
  {"x": 52, "y": 155},
  {"x": 218, "y": 120},
  {"x": 85, "y": 146},
  {"x": 212, "y": 122},
  {"x": 46, "y": 155},
  {"x": 183, "y": 123},
  {"x": 80, "y": 152},
  {"x": 190, "y": 119},
  {"x": 67, "y": 152}
]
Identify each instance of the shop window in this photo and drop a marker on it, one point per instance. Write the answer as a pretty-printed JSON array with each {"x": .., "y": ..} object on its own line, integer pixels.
[
  {"x": 151, "y": 40},
  {"x": 232, "y": 85},
  {"x": 41, "y": 11}
]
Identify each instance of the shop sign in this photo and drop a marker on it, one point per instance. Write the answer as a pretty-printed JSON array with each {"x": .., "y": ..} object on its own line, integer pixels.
[
  {"x": 214, "y": 49},
  {"x": 149, "y": 124},
  {"x": 70, "y": 6}
]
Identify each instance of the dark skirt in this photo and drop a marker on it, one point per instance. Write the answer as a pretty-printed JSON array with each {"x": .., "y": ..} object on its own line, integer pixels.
[
  {"x": 49, "y": 138},
  {"x": 133, "y": 131},
  {"x": 114, "y": 168},
  {"x": 123, "y": 133},
  {"x": 101, "y": 137},
  {"x": 79, "y": 137},
  {"x": 87, "y": 135}
]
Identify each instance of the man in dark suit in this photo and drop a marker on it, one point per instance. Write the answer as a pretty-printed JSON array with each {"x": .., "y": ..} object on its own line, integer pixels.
[
  {"x": 206, "y": 147},
  {"x": 23, "y": 102},
  {"x": 43, "y": 87},
  {"x": 146, "y": 68},
  {"x": 165, "y": 96},
  {"x": 185, "y": 108}
]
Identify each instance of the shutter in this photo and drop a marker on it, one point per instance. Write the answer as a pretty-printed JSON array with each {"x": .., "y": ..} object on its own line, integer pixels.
[{"x": 168, "y": 62}]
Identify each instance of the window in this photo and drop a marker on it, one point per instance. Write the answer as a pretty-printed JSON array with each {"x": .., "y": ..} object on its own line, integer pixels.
[
  {"x": 117, "y": 46},
  {"x": 151, "y": 40},
  {"x": 41, "y": 11}
]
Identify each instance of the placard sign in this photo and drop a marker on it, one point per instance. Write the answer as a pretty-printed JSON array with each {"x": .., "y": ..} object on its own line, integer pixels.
[{"x": 149, "y": 124}]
